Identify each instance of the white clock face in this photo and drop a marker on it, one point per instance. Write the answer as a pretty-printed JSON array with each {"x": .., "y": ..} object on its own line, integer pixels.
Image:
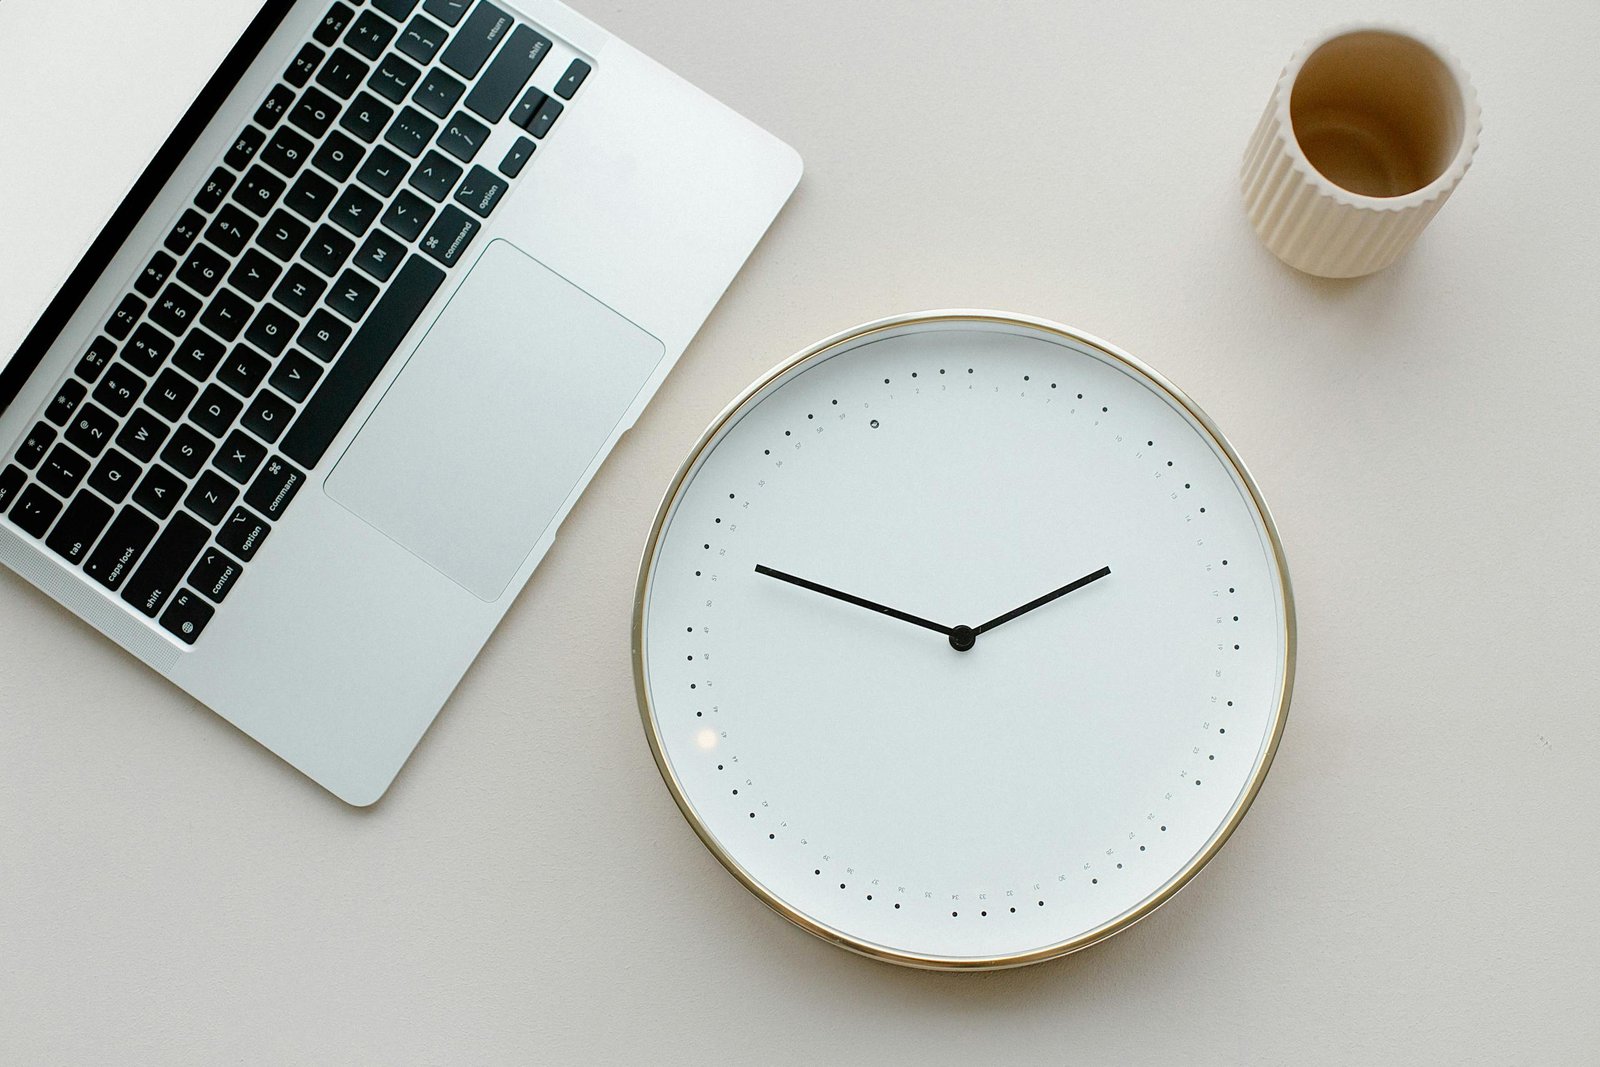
[{"x": 897, "y": 776}]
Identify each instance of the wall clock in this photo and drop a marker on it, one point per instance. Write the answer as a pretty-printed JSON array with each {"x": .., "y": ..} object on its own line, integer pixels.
[{"x": 963, "y": 640}]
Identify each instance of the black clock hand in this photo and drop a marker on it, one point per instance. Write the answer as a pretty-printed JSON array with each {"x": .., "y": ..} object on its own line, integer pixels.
[
  {"x": 1030, "y": 605},
  {"x": 849, "y": 599}
]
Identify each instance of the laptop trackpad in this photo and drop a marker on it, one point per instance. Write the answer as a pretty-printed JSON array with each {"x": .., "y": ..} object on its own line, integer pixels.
[{"x": 513, "y": 392}]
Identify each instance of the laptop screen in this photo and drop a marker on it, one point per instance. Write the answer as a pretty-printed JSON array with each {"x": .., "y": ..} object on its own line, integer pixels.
[{"x": 16, "y": 367}]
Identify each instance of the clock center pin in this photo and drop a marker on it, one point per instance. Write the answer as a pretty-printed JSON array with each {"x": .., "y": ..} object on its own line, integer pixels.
[{"x": 962, "y": 638}]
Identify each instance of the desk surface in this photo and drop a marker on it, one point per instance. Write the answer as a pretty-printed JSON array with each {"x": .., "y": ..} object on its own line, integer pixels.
[{"x": 1415, "y": 881}]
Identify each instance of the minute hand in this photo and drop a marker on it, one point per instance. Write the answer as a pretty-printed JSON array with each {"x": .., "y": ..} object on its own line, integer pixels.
[
  {"x": 1052, "y": 595},
  {"x": 849, "y": 598}
]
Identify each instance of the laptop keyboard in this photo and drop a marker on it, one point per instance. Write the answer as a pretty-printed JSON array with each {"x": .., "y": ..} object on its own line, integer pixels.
[{"x": 278, "y": 296}]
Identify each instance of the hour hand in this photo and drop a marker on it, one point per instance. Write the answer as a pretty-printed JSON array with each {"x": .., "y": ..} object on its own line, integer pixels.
[
  {"x": 1041, "y": 601},
  {"x": 850, "y": 598}
]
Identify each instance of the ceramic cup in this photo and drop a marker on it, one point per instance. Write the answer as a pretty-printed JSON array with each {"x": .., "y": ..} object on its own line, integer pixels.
[{"x": 1368, "y": 132}]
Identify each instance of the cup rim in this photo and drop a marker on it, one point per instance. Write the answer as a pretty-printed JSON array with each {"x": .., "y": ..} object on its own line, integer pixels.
[{"x": 1446, "y": 180}]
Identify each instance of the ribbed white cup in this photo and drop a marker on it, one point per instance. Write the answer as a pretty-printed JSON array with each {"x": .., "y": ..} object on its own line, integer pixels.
[{"x": 1391, "y": 121}]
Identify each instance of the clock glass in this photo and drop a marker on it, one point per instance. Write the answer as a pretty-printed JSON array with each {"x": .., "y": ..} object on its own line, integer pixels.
[{"x": 963, "y": 640}]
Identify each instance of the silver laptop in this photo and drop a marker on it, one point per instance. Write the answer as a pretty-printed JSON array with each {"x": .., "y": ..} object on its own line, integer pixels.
[{"x": 302, "y": 422}]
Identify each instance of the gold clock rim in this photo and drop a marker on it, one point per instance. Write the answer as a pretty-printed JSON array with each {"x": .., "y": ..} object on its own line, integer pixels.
[{"x": 838, "y": 937}]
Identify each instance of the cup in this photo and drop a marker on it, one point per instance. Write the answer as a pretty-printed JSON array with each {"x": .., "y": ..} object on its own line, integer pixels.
[{"x": 1368, "y": 132}]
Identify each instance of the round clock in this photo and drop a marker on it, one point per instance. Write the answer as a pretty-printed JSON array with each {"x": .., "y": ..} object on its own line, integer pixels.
[{"x": 963, "y": 640}]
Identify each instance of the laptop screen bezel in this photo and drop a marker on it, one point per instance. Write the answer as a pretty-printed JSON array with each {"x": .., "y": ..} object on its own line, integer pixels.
[{"x": 143, "y": 193}]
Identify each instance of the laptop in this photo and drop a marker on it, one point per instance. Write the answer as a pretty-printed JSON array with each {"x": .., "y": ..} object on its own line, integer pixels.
[{"x": 303, "y": 420}]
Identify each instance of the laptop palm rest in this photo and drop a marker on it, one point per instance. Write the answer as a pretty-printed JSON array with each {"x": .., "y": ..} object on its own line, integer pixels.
[{"x": 497, "y": 415}]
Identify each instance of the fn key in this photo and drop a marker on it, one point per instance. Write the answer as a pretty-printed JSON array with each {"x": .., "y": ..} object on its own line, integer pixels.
[{"x": 186, "y": 616}]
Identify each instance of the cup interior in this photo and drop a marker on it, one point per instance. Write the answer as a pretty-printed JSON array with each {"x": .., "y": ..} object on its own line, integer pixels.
[{"x": 1377, "y": 113}]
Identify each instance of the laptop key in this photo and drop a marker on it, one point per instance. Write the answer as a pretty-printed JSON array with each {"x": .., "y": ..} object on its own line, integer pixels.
[
  {"x": 94, "y": 359},
  {"x": 283, "y": 234},
  {"x": 214, "y": 575},
  {"x": 169, "y": 397},
  {"x": 577, "y": 70},
  {"x": 66, "y": 401},
  {"x": 407, "y": 215},
  {"x": 243, "y": 534},
  {"x": 369, "y": 35},
  {"x": 35, "y": 445},
  {"x": 481, "y": 191},
  {"x": 35, "y": 510},
  {"x": 352, "y": 295},
  {"x": 119, "y": 390},
  {"x": 411, "y": 131},
  {"x": 199, "y": 355},
  {"x": 315, "y": 112},
  {"x": 369, "y": 352},
  {"x": 158, "y": 492},
  {"x": 356, "y": 211},
  {"x": 271, "y": 329},
  {"x": 245, "y": 147},
  {"x": 268, "y": 416},
  {"x": 175, "y": 310},
  {"x": 80, "y": 525},
  {"x": 544, "y": 117},
  {"x": 185, "y": 230},
  {"x": 91, "y": 429},
  {"x": 304, "y": 65},
  {"x": 328, "y": 249},
  {"x": 395, "y": 9},
  {"x": 333, "y": 24},
  {"x": 113, "y": 476},
  {"x": 259, "y": 190},
  {"x": 517, "y": 156},
  {"x": 155, "y": 274},
  {"x": 477, "y": 37},
  {"x": 393, "y": 79},
  {"x": 452, "y": 231},
  {"x": 203, "y": 270},
  {"x": 299, "y": 290},
  {"x": 343, "y": 73},
  {"x": 274, "y": 488},
  {"x": 462, "y": 136},
  {"x": 130, "y": 534},
  {"x": 216, "y": 187},
  {"x": 295, "y": 375},
  {"x": 164, "y": 566},
  {"x": 128, "y": 312},
  {"x": 287, "y": 152},
  {"x": 187, "y": 452},
  {"x": 142, "y": 434},
  {"x": 438, "y": 93},
  {"x": 187, "y": 616},
  {"x": 421, "y": 39},
  {"x": 244, "y": 371},
  {"x": 379, "y": 255},
  {"x": 435, "y": 176},
  {"x": 508, "y": 73},
  {"x": 448, "y": 12},
  {"x": 231, "y": 229},
  {"x": 324, "y": 335},
  {"x": 338, "y": 156},
  {"x": 147, "y": 349},
  {"x": 62, "y": 470},
  {"x": 226, "y": 315},
  {"x": 383, "y": 171},
  {"x": 12, "y": 479},
  {"x": 211, "y": 498},
  {"x": 274, "y": 106},
  {"x": 311, "y": 196},
  {"x": 253, "y": 276},
  {"x": 215, "y": 411}
]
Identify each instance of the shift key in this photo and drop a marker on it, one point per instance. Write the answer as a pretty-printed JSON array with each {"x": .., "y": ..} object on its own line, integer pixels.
[
  {"x": 508, "y": 73},
  {"x": 163, "y": 569},
  {"x": 120, "y": 548}
]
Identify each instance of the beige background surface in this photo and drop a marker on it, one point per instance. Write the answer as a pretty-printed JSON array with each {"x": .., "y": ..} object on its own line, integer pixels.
[{"x": 1416, "y": 882}]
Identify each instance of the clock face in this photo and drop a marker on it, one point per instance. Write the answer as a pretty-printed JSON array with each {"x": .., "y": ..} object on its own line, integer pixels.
[{"x": 849, "y": 707}]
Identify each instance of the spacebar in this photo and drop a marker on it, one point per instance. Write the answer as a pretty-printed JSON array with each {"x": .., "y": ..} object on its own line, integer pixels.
[{"x": 362, "y": 361}]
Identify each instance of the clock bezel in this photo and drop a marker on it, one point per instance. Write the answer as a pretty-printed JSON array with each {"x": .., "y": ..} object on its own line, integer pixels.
[{"x": 816, "y": 352}]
